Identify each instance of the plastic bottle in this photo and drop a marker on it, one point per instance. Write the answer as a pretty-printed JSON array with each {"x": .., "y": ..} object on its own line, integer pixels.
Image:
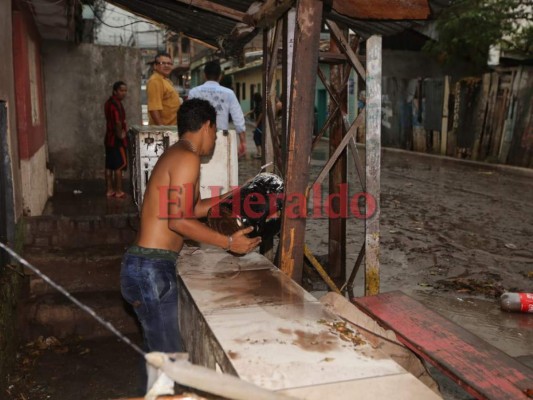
[{"x": 517, "y": 302}]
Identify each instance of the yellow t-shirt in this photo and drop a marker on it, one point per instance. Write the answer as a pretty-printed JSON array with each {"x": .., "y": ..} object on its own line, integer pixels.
[{"x": 162, "y": 97}]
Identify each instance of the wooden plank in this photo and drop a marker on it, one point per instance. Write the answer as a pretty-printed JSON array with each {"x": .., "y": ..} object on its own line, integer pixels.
[
  {"x": 482, "y": 108},
  {"x": 337, "y": 226},
  {"x": 383, "y": 9},
  {"x": 488, "y": 129},
  {"x": 511, "y": 114},
  {"x": 481, "y": 369},
  {"x": 373, "y": 161},
  {"x": 331, "y": 58},
  {"x": 269, "y": 13},
  {"x": 343, "y": 44},
  {"x": 340, "y": 148},
  {"x": 445, "y": 116},
  {"x": 215, "y": 8},
  {"x": 452, "y": 134},
  {"x": 306, "y": 40}
]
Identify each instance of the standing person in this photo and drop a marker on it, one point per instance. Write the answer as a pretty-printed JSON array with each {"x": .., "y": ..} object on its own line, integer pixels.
[
  {"x": 259, "y": 125},
  {"x": 163, "y": 100},
  {"x": 115, "y": 140},
  {"x": 148, "y": 274},
  {"x": 224, "y": 101}
]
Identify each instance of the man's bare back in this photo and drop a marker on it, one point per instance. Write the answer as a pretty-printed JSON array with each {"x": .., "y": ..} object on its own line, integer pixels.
[{"x": 171, "y": 205}]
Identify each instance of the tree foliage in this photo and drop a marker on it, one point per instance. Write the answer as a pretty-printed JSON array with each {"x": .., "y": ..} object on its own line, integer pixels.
[{"x": 468, "y": 28}]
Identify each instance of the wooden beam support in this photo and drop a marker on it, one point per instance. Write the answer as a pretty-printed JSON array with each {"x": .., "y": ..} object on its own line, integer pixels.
[
  {"x": 306, "y": 40},
  {"x": 269, "y": 13},
  {"x": 383, "y": 9},
  {"x": 373, "y": 162},
  {"x": 337, "y": 177},
  {"x": 216, "y": 8},
  {"x": 345, "y": 46},
  {"x": 327, "y": 57},
  {"x": 340, "y": 148}
]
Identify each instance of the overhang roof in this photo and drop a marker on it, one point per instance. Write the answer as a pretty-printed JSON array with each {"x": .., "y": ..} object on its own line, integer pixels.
[
  {"x": 229, "y": 24},
  {"x": 55, "y": 19}
]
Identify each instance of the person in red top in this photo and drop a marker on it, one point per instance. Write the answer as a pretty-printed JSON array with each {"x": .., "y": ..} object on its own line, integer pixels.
[{"x": 115, "y": 140}]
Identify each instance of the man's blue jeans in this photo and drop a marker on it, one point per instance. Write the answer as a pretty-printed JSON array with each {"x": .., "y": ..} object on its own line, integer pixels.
[{"x": 149, "y": 285}]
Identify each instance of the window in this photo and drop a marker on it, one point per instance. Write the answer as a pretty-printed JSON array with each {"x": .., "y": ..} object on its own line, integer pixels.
[
  {"x": 238, "y": 90},
  {"x": 252, "y": 91},
  {"x": 244, "y": 90}
]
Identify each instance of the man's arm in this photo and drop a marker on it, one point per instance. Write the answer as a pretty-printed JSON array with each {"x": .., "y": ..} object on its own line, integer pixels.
[
  {"x": 238, "y": 120},
  {"x": 154, "y": 92},
  {"x": 156, "y": 116},
  {"x": 202, "y": 207},
  {"x": 184, "y": 178}
]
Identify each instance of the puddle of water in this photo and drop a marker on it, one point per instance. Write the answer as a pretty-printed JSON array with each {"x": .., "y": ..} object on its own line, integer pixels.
[{"x": 512, "y": 333}]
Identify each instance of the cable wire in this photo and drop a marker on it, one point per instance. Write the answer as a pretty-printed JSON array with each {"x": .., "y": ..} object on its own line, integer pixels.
[{"x": 62, "y": 290}]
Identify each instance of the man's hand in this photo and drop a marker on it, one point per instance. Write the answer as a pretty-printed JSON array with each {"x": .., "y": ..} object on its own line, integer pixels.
[{"x": 241, "y": 244}]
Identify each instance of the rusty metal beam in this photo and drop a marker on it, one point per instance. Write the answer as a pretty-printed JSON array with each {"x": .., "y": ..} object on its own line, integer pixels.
[
  {"x": 337, "y": 177},
  {"x": 306, "y": 40},
  {"x": 373, "y": 161}
]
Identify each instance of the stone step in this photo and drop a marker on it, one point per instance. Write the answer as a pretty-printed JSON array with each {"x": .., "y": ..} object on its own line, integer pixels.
[
  {"x": 91, "y": 269},
  {"x": 74, "y": 232},
  {"x": 56, "y": 315}
]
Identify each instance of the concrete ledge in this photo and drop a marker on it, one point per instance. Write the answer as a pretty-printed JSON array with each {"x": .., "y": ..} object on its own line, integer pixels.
[{"x": 243, "y": 316}]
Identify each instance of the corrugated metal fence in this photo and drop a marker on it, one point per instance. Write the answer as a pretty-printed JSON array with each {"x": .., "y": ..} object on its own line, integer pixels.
[{"x": 488, "y": 118}]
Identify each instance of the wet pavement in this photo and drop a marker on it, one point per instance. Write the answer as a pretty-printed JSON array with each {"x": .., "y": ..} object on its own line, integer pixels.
[{"x": 454, "y": 235}]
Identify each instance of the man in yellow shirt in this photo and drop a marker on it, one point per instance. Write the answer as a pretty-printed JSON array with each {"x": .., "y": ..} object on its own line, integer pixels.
[{"x": 163, "y": 100}]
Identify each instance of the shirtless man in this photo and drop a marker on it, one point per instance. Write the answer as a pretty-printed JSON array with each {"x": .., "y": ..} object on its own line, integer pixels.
[{"x": 169, "y": 214}]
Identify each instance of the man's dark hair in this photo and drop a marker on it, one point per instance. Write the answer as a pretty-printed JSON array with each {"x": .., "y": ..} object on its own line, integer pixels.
[
  {"x": 117, "y": 85},
  {"x": 212, "y": 70},
  {"x": 193, "y": 114},
  {"x": 162, "y": 54}
]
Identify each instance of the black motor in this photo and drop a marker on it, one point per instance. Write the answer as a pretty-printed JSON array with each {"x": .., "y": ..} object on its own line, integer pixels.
[{"x": 257, "y": 203}]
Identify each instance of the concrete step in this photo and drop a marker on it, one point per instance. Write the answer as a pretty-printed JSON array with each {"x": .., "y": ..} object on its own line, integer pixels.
[
  {"x": 91, "y": 269},
  {"x": 56, "y": 315},
  {"x": 74, "y": 232}
]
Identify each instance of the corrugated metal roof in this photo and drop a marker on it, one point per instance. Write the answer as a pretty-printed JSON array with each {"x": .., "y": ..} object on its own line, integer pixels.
[{"x": 216, "y": 30}]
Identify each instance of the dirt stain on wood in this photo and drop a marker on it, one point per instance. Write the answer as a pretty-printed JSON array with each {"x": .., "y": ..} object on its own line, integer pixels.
[{"x": 320, "y": 342}]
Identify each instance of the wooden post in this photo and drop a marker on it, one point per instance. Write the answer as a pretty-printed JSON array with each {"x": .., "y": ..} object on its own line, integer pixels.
[
  {"x": 338, "y": 175},
  {"x": 445, "y": 114},
  {"x": 289, "y": 26},
  {"x": 373, "y": 161},
  {"x": 268, "y": 150},
  {"x": 306, "y": 48}
]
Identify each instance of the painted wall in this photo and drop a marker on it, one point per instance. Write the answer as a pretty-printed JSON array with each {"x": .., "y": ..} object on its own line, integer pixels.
[
  {"x": 79, "y": 80},
  {"x": 31, "y": 114},
  {"x": 7, "y": 94},
  {"x": 10, "y": 283}
]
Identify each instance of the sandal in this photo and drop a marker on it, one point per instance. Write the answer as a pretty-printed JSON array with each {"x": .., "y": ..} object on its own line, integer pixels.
[{"x": 110, "y": 194}]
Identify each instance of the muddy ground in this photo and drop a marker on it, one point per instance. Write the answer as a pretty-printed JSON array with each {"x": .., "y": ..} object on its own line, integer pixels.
[{"x": 454, "y": 235}]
